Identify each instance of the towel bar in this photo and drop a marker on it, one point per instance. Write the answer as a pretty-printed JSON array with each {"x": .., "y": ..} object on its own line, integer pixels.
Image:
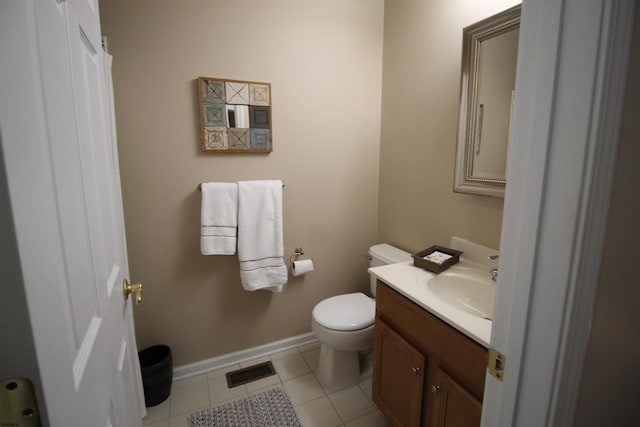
[{"x": 199, "y": 188}]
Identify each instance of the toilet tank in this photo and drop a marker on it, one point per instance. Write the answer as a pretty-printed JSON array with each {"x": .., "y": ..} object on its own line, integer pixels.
[{"x": 383, "y": 254}]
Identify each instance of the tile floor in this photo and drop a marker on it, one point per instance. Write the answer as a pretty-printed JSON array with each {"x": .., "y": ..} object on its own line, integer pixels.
[{"x": 315, "y": 405}]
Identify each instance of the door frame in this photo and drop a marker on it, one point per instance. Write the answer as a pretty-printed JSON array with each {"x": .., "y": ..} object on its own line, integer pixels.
[
  {"x": 572, "y": 64},
  {"x": 16, "y": 29}
]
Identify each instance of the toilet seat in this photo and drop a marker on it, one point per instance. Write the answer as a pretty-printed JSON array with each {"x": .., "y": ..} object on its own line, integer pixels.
[{"x": 348, "y": 312}]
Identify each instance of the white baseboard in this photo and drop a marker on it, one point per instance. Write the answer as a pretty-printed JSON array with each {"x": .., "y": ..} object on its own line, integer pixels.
[{"x": 218, "y": 362}]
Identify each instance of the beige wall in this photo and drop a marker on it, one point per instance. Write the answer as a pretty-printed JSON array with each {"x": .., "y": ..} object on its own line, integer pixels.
[
  {"x": 421, "y": 89},
  {"x": 324, "y": 61}
]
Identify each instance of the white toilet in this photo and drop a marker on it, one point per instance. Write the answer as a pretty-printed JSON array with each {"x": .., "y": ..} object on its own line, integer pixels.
[{"x": 344, "y": 324}]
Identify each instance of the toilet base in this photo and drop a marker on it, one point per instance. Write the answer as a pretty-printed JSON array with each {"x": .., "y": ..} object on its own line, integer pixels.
[{"x": 338, "y": 368}]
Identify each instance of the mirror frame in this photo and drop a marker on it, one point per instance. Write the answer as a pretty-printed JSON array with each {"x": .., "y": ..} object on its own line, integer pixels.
[
  {"x": 217, "y": 99},
  {"x": 473, "y": 36}
]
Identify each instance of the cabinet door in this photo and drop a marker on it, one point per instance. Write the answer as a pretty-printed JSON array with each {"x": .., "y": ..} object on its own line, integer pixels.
[
  {"x": 453, "y": 405},
  {"x": 398, "y": 377}
]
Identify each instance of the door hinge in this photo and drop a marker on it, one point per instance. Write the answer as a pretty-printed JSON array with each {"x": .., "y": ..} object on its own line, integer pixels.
[{"x": 497, "y": 361}]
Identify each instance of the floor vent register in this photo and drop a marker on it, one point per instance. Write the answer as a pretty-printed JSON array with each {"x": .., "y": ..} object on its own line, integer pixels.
[{"x": 249, "y": 374}]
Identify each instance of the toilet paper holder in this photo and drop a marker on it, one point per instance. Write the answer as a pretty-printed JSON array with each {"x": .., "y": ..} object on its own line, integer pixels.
[
  {"x": 296, "y": 253},
  {"x": 300, "y": 267}
]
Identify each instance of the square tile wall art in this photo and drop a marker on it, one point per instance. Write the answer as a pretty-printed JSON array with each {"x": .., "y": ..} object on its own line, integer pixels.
[{"x": 235, "y": 116}]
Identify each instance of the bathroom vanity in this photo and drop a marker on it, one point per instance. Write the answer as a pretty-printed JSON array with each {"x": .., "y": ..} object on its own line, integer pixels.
[
  {"x": 425, "y": 371},
  {"x": 432, "y": 334}
]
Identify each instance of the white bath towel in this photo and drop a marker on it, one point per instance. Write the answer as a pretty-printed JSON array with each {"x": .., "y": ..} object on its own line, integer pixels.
[
  {"x": 260, "y": 240},
  {"x": 219, "y": 218}
]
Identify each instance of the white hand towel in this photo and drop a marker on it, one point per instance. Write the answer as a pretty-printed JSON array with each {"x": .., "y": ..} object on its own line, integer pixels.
[
  {"x": 218, "y": 218},
  {"x": 260, "y": 238}
]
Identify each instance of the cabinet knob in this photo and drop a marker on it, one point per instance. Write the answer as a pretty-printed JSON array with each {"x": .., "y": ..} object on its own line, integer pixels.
[
  {"x": 435, "y": 388},
  {"x": 415, "y": 370}
]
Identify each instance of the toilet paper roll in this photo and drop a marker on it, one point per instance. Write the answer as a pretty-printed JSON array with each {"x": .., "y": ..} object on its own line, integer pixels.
[{"x": 303, "y": 266}]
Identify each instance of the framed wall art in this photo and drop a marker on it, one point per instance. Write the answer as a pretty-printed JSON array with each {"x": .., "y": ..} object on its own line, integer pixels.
[{"x": 235, "y": 116}]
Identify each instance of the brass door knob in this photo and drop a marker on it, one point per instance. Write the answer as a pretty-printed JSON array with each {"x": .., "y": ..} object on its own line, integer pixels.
[{"x": 133, "y": 288}]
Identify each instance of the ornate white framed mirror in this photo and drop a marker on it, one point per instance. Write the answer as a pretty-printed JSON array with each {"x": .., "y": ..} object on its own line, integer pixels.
[{"x": 489, "y": 58}]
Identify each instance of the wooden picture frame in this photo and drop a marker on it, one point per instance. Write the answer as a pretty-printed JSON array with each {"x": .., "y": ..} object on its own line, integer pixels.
[{"x": 235, "y": 116}]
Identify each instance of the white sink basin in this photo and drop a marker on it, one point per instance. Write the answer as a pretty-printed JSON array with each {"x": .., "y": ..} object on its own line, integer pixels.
[{"x": 466, "y": 289}]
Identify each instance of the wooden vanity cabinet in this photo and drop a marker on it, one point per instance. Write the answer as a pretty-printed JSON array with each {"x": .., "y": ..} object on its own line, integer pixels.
[{"x": 425, "y": 372}]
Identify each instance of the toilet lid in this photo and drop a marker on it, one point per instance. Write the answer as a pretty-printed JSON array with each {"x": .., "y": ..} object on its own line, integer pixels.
[{"x": 348, "y": 312}]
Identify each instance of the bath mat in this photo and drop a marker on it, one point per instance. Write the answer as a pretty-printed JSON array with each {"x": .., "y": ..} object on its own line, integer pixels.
[{"x": 270, "y": 408}]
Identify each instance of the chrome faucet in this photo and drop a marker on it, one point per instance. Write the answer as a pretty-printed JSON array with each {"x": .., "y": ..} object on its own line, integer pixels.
[{"x": 494, "y": 271}]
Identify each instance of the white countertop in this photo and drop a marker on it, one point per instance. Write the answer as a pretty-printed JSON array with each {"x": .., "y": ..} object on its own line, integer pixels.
[{"x": 411, "y": 282}]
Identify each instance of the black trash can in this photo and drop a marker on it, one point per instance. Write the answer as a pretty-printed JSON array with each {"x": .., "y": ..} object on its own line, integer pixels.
[{"x": 156, "y": 365}]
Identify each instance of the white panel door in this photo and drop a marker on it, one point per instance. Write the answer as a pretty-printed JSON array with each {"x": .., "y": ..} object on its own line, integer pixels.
[{"x": 67, "y": 209}]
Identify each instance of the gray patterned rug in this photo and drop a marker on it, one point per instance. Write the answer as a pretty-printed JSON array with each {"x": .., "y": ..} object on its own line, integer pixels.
[{"x": 270, "y": 408}]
